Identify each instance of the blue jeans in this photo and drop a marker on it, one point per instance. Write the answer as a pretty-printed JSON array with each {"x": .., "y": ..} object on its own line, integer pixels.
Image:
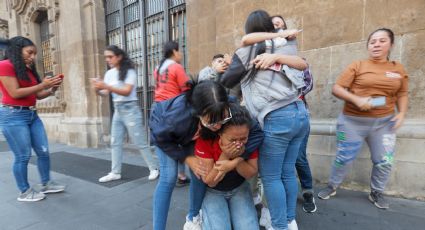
[
  {"x": 181, "y": 168},
  {"x": 24, "y": 130},
  {"x": 302, "y": 166},
  {"x": 127, "y": 116},
  {"x": 164, "y": 190},
  {"x": 284, "y": 131},
  {"x": 196, "y": 195},
  {"x": 227, "y": 210}
]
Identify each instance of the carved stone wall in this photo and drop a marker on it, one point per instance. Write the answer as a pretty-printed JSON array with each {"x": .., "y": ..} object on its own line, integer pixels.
[
  {"x": 4, "y": 29},
  {"x": 334, "y": 34}
]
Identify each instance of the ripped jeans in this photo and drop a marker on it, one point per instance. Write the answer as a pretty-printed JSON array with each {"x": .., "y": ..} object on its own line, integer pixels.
[
  {"x": 127, "y": 116},
  {"x": 24, "y": 131},
  {"x": 380, "y": 137}
]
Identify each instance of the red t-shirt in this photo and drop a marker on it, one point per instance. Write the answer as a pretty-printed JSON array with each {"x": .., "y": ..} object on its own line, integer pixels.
[
  {"x": 210, "y": 149},
  {"x": 171, "y": 83},
  {"x": 7, "y": 70}
]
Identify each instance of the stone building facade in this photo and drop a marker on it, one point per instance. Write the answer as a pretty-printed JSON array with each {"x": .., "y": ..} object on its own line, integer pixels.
[
  {"x": 70, "y": 37},
  {"x": 334, "y": 34}
]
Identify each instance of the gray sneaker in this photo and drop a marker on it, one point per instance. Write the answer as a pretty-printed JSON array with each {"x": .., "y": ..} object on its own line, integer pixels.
[
  {"x": 327, "y": 192},
  {"x": 30, "y": 196},
  {"x": 52, "y": 187},
  {"x": 378, "y": 199}
]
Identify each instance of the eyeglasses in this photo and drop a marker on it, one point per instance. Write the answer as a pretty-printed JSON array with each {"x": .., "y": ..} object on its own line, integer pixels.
[
  {"x": 222, "y": 122},
  {"x": 109, "y": 56}
]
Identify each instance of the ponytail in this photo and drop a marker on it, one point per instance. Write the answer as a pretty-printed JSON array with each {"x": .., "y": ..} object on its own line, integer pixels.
[{"x": 169, "y": 47}]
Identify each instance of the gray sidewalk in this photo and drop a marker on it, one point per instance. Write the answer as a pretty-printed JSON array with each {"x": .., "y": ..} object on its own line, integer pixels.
[{"x": 87, "y": 205}]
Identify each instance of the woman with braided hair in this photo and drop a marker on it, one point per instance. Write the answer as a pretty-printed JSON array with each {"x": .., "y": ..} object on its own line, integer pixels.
[{"x": 21, "y": 86}]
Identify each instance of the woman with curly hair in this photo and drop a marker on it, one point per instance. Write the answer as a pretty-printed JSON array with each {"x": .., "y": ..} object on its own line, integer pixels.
[{"x": 21, "y": 86}]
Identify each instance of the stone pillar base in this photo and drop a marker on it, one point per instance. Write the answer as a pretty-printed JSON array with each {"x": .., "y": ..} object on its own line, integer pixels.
[{"x": 84, "y": 132}]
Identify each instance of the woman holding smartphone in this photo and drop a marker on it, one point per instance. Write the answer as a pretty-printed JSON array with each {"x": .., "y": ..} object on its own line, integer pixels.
[
  {"x": 20, "y": 87},
  {"x": 372, "y": 90}
]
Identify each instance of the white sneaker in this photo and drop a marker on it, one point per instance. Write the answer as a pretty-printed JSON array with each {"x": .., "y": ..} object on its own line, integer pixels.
[
  {"x": 110, "y": 177},
  {"x": 153, "y": 174},
  {"x": 30, "y": 195},
  {"x": 195, "y": 224},
  {"x": 292, "y": 225},
  {"x": 265, "y": 219}
]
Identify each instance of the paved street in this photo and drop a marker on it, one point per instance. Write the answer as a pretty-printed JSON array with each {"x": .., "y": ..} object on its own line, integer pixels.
[{"x": 88, "y": 205}]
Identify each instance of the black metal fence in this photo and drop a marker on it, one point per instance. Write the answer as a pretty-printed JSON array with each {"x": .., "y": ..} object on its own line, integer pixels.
[{"x": 141, "y": 27}]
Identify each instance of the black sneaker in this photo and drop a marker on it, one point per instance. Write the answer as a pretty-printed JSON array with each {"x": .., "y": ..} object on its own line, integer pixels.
[
  {"x": 309, "y": 205},
  {"x": 378, "y": 199},
  {"x": 182, "y": 182}
]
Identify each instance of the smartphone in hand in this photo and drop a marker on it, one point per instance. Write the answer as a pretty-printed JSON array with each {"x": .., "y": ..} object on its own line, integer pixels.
[
  {"x": 61, "y": 75},
  {"x": 378, "y": 101},
  {"x": 275, "y": 67}
]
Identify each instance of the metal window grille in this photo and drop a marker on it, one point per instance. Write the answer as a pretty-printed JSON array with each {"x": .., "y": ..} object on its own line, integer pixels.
[
  {"x": 141, "y": 27},
  {"x": 45, "y": 46}
]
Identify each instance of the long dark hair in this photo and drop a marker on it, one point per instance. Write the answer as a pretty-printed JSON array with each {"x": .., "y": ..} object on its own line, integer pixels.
[
  {"x": 279, "y": 16},
  {"x": 258, "y": 21},
  {"x": 14, "y": 54},
  {"x": 208, "y": 98},
  {"x": 125, "y": 64},
  {"x": 169, "y": 47}
]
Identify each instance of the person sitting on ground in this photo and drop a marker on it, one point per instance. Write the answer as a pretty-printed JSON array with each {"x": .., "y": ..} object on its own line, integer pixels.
[{"x": 228, "y": 201}]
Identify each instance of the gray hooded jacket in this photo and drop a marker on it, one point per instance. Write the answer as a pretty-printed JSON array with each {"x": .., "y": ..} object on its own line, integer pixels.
[{"x": 268, "y": 90}]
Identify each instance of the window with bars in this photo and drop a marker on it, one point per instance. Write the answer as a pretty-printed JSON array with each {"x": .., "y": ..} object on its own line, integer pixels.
[
  {"x": 45, "y": 43},
  {"x": 141, "y": 28}
]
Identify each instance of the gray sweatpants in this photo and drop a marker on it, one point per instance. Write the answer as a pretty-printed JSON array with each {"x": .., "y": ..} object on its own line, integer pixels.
[{"x": 380, "y": 137}]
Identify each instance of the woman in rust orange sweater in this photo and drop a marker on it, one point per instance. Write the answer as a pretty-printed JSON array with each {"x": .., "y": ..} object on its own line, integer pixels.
[{"x": 372, "y": 90}]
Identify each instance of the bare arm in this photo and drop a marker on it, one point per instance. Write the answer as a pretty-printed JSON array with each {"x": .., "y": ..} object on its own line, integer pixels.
[
  {"x": 124, "y": 91},
  {"x": 402, "y": 103},
  {"x": 361, "y": 102},
  {"x": 212, "y": 173},
  {"x": 216, "y": 172},
  {"x": 197, "y": 165},
  {"x": 252, "y": 38},
  {"x": 103, "y": 89},
  {"x": 263, "y": 61},
  {"x": 248, "y": 168},
  {"x": 15, "y": 91},
  {"x": 102, "y": 92},
  {"x": 45, "y": 93}
]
